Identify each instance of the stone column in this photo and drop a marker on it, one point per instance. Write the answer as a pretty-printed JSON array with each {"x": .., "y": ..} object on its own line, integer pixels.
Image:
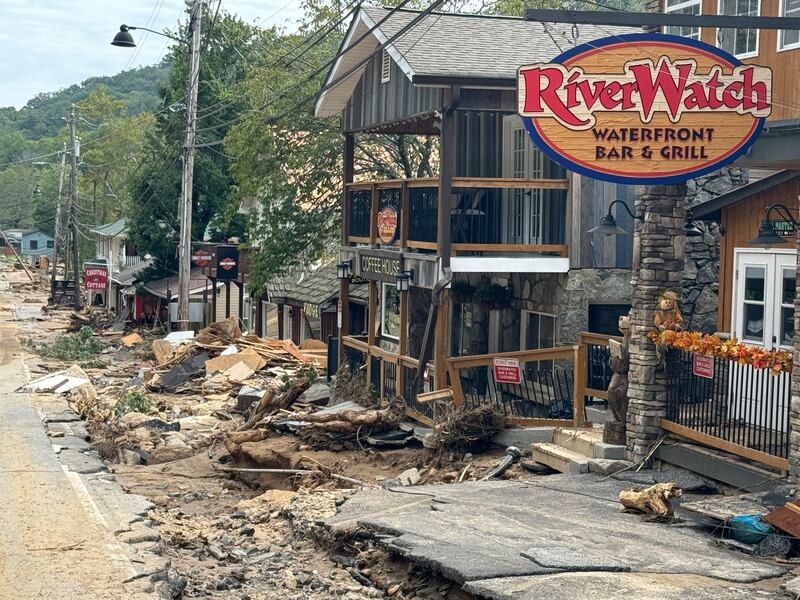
[
  {"x": 658, "y": 254},
  {"x": 794, "y": 405}
]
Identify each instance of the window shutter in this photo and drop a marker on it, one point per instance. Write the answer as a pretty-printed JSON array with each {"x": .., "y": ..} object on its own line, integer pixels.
[{"x": 386, "y": 67}]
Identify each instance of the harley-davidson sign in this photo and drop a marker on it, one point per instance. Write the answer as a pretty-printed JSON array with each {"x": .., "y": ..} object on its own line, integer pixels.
[{"x": 644, "y": 108}]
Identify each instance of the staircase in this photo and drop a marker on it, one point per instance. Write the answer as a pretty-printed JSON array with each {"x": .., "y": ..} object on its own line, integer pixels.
[{"x": 578, "y": 451}]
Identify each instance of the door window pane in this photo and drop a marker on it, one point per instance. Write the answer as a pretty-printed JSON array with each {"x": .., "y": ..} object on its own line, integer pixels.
[
  {"x": 787, "y": 326},
  {"x": 738, "y": 41},
  {"x": 789, "y": 284},
  {"x": 754, "y": 323},
  {"x": 390, "y": 321},
  {"x": 754, "y": 284},
  {"x": 690, "y": 7}
]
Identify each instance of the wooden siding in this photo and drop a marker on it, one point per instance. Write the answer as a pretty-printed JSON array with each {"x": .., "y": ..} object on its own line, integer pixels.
[
  {"x": 374, "y": 103},
  {"x": 740, "y": 224},
  {"x": 785, "y": 64}
]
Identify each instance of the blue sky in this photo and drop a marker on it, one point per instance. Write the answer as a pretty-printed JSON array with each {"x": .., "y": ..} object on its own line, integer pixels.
[{"x": 50, "y": 44}]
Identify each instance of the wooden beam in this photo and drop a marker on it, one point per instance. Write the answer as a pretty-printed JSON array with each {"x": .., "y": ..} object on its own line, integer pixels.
[
  {"x": 715, "y": 442},
  {"x": 404, "y": 216},
  {"x": 560, "y": 249},
  {"x": 355, "y": 239},
  {"x": 347, "y": 176},
  {"x": 510, "y": 183},
  {"x": 463, "y": 362},
  {"x": 423, "y": 245},
  {"x": 579, "y": 387},
  {"x": 371, "y": 316}
]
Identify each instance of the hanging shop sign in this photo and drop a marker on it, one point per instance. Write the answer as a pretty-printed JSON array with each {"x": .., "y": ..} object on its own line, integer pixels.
[
  {"x": 387, "y": 224},
  {"x": 358, "y": 280},
  {"x": 201, "y": 257},
  {"x": 227, "y": 262},
  {"x": 703, "y": 366},
  {"x": 377, "y": 265},
  {"x": 644, "y": 108},
  {"x": 506, "y": 370},
  {"x": 783, "y": 227},
  {"x": 63, "y": 287},
  {"x": 95, "y": 277}
]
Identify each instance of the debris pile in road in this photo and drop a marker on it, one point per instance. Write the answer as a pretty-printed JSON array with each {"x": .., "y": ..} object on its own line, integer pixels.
[{"x": 653, "y": 501}]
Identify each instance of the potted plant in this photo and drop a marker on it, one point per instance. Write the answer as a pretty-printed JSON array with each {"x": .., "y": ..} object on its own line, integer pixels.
[
  {"x": 492, "y": 297},
  {"x": 461, "y": 291}
]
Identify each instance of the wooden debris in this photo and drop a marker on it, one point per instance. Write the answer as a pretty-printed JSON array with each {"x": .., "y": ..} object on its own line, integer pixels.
[
  {"x": 350, "y": 421},
  {"x": 654, "y": 500},
  {"x": 131, "y": 339},
  {"x": 249, "y": 357},
  {"x": 163, "y": 351},
  {"x": 786, "y": 518}
]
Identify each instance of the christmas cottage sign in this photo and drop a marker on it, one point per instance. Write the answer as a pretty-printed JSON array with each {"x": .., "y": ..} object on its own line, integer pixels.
[{"x": 644, "y": 108}]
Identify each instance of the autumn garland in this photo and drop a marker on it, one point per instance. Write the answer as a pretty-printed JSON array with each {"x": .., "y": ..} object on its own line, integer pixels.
[{"x": 777, "y": 361}]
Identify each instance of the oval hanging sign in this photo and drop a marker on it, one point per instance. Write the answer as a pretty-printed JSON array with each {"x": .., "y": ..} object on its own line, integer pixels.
[
  {"x": 387, "y": 224},
  {"x": 644, "y": 108}
]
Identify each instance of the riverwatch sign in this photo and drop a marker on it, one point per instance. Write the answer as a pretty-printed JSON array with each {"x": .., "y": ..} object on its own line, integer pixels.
[{"x": 644, "y": 108}]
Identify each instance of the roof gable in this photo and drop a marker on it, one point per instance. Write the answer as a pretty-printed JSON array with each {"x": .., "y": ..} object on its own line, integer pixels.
[{"x": 450, "y": 46}]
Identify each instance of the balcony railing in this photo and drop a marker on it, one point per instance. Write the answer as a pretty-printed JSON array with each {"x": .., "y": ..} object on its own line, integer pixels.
[{"x": 487, "y": 214}]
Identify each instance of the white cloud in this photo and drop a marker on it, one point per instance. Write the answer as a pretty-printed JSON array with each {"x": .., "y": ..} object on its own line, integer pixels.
[{"x": 51, "y": 44}]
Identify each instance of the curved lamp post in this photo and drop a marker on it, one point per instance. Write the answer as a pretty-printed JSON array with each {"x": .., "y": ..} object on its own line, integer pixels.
[
  {"x": 767, "y": 233},
  {"x": 608, "y": 224}
]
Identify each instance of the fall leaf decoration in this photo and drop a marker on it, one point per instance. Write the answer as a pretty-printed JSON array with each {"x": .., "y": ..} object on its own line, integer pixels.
[{"x": 777, "y": 361}]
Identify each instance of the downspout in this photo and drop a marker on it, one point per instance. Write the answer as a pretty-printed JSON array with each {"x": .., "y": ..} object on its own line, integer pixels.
[{"x": 447, "y": 164}]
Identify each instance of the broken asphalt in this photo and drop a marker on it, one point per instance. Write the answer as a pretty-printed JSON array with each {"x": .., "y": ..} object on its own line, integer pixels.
[{"x": 559, "y": 537}]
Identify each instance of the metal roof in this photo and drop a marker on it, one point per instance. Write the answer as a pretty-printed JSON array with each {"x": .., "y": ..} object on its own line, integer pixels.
[
  {"x": 111, "y": 229},
  {"x": 197, "y": 283},
  {"x": 449, "y": 46}
]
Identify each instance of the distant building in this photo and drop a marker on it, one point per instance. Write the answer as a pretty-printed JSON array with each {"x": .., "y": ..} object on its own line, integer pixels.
[{"x": 36, "y": 243}]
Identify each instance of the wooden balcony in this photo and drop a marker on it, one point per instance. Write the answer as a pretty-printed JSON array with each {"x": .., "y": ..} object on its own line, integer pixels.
[{"x": 486, "y": 215}]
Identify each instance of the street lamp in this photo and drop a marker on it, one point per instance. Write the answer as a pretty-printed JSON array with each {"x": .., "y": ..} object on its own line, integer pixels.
[
  {"x": 343, "y": 269},
  {"x": 767, "y": 233},
  {"x": 608, "y": 224},
  {"x": 124, "y": 39}
]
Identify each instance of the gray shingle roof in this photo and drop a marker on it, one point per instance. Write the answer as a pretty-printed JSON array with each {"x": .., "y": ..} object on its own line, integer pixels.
[
  {"x": 450, "y": 45},
  {"x": 315, "y": 287}
]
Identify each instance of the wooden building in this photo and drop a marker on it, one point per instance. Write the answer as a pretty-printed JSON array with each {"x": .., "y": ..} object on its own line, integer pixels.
[
  {"x": 502, "y": 224},
  {"x": 757, "y": 282}
]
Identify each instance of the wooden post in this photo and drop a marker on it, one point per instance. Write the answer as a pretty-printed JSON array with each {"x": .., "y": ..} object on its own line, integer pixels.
[
  {"x": 227, "y": 299},
  {"x": 281, "y": 332},
  {"x": 344, "y": 284},
  {"x": 446, "y": 171},
  {"x": 241, "y": 302},
  {"x": 213, "y": 299},
  {"x": 205, "y": 304},
  {"x": 403, "y": 343},
  {"x": 371, "y": 318},
  {"x": 579, "y": 391},
  {"x": 373, "y": 216}
]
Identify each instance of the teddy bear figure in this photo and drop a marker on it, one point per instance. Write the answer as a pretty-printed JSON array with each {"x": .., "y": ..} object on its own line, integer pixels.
[{"x": 668, "y": 315}]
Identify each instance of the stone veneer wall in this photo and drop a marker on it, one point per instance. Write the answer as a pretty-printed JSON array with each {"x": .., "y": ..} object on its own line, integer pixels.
[{"x": 701, "y": 279}]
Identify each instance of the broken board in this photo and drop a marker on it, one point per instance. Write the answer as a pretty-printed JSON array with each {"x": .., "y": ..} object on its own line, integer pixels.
[{"x": 786, "y": 518}]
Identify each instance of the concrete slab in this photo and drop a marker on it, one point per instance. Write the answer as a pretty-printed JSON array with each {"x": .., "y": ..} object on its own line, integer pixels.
[
  {"x": 560, "y": 458},
  {"x": 80, "y": 462},
  {"x": 480, "y": 530},
  {"x": 608, "y": 586},
  {"x": 523, "y": 437},
  {"x": 596, "y": 414},
  {"x": 572, "y": 558},
  {"x": 610, "y": 451}
]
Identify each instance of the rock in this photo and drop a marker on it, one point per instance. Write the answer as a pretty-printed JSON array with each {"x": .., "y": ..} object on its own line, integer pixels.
[
  {"x": 198, "y": 422},
  {"x": 132, "y": 420},
  {"x": 409, "y": 477},
  {"x": 393, "y": 589},
  {"x": 174, "y": 441},
  {"x": 608, "y": 466},
  {"x": 217, "y": 552},
  {"x": 773, "y": 545},
  {"x": 165, "y": 454},
  {"x": 290, "y": 581},
  {"x": 129, "y": 457},
  {"x": 247, "y": 530}
]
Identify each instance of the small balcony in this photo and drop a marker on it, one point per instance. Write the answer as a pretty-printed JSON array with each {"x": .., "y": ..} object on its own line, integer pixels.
[{"x": 486, "y": 215}]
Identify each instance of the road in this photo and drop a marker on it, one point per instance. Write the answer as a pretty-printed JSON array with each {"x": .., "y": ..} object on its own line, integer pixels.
[{"x": 53, "y": 544}]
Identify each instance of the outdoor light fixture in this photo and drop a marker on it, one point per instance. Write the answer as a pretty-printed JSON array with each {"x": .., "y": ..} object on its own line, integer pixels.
[
  {"x": 608, "y": 224},
  {"x": 768, "y": 233},
  {"x": 403, "y": 280},
  {"x": 692, "y": 230},
  {"x": 343, "y": 269},
  {"x": 124, "y": 39}
]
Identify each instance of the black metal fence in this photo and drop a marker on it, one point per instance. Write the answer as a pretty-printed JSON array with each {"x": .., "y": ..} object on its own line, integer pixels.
[
  {"x": 360, "y": 203},
  {"x": 735, "y": 403},
  {"x": 599, "y": 372},
  {"x": 545, "y": 390},
  {"x": 355, "y": 360},
  {"x": 410, "y": 396},
  {"x": 423, "y": 210}
]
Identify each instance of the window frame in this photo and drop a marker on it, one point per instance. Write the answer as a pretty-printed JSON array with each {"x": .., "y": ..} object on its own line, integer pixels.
[
  {"x": 752, "y": 54},
  {"x": 794, "y": 45},
  {"x": 679, "y": 6},
  {"x": 388, "y": 336},
  {"x": 525, "y": 318},
  {"x": 33, "y": 244}
]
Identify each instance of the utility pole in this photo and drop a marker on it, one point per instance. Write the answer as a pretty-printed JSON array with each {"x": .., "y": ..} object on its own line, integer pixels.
[
  {"x": 73, "y": 198},
  {"x": 185, "y": 247},
  {"x": 57, "y": 230}
]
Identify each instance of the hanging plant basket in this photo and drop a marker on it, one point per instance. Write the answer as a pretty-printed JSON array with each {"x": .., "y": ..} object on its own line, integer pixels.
[
  {"x": 461, "y": 292},
  {"x": 492, "y": 297}
]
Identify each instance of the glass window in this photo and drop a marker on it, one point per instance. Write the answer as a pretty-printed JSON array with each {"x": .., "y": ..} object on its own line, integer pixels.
[
  {"x": 683, "y": 7},
  {"x": 739, "y": 42},
  {"x": 540, "y": 332},
  {"x": 753, "y": 306},
  {"x": 50, "y": 243},
  {"x": 790, "y": 38},
  {"x": 788, "y": 285},
  {"x": 390, "y": 312},
  {"x": 34, "y": 245}
]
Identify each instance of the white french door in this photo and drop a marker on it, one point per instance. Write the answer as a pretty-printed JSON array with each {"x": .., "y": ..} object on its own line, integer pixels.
[
  {"x": 763, "y": 297},
  {"x": 522, "y": 212}
]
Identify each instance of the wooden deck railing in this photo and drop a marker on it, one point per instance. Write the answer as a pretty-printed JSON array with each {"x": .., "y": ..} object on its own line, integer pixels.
[{"x": 472, "y": 229}]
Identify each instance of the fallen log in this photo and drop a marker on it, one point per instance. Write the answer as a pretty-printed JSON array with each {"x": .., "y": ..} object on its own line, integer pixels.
[
  {"x": 269, "y": 405},
  {"x": 654, "y": 500},
  {"x": 350, "y": 421}
]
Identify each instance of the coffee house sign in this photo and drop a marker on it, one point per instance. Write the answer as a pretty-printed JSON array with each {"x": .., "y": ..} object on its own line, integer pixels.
[
  {"x": 380, "y": 266},
  {"x": 644, "y": 108}
]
